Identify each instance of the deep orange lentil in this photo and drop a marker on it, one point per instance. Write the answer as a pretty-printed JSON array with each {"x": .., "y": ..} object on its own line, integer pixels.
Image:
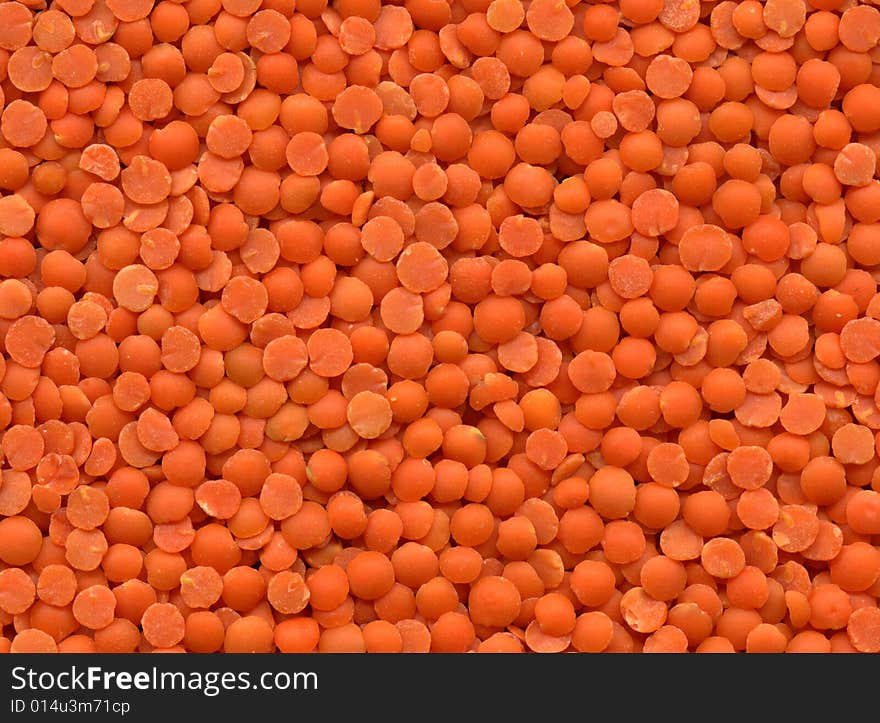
[{"x": 441, "y": 327}]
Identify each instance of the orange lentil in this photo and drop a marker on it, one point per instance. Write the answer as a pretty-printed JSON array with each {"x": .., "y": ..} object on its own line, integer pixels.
[{"x": 476, "y": 326}]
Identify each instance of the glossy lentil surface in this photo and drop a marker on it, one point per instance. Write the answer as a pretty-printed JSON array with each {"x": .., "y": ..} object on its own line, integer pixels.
[{"x": 482, "y": 325}]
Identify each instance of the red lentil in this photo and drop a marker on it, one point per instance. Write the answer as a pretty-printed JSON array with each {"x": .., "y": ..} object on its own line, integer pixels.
[{"x": 384, "y": 328}]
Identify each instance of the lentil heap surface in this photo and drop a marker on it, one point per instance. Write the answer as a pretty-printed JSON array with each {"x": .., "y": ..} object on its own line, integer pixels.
[{"x": 439, "y": 326}]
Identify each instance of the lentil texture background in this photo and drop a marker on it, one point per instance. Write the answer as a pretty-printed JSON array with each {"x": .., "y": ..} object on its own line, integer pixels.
[{"x": 480, "y": 325}]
